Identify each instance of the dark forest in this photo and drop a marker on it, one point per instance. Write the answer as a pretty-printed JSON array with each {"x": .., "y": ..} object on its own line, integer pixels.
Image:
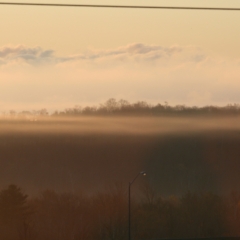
[{"x": 103, "y": 215}]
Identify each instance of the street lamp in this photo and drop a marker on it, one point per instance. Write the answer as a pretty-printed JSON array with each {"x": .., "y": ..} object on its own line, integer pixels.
[{"x": 129, "y": 202}]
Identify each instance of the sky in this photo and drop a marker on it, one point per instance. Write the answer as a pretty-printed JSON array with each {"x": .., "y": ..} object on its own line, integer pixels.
[{"x": 56, "y": 58}]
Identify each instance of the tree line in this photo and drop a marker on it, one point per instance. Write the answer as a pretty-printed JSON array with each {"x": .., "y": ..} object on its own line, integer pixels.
[
  {"x": 113, "y": 107},
  {"x": 104, "y": 215}
]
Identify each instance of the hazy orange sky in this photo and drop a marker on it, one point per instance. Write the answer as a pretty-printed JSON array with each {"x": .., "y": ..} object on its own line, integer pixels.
[{"x": 60, "y": 57}]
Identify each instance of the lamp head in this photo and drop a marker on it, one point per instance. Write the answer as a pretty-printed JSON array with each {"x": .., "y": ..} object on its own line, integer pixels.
[{"x": 143, "y": 173}]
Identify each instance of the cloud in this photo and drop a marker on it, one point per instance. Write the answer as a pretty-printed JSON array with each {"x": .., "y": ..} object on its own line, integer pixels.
[
  {"x": 136, "y": 52},
  {"x": 132, "y": 52},
  {"x": 31, "y": 55}
]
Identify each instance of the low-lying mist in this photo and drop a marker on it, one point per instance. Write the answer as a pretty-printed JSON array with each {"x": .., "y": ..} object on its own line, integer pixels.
[
  {"x": 119, "y": 125},
  {"x": 86, "y": 154}
]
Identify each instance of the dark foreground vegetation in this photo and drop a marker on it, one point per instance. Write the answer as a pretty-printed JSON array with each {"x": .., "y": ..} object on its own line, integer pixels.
[{"x": 103, "y": 215}]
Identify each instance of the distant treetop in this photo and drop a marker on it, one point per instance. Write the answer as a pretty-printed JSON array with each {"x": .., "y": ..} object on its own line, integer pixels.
[{"x": 113, "y": 107}]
